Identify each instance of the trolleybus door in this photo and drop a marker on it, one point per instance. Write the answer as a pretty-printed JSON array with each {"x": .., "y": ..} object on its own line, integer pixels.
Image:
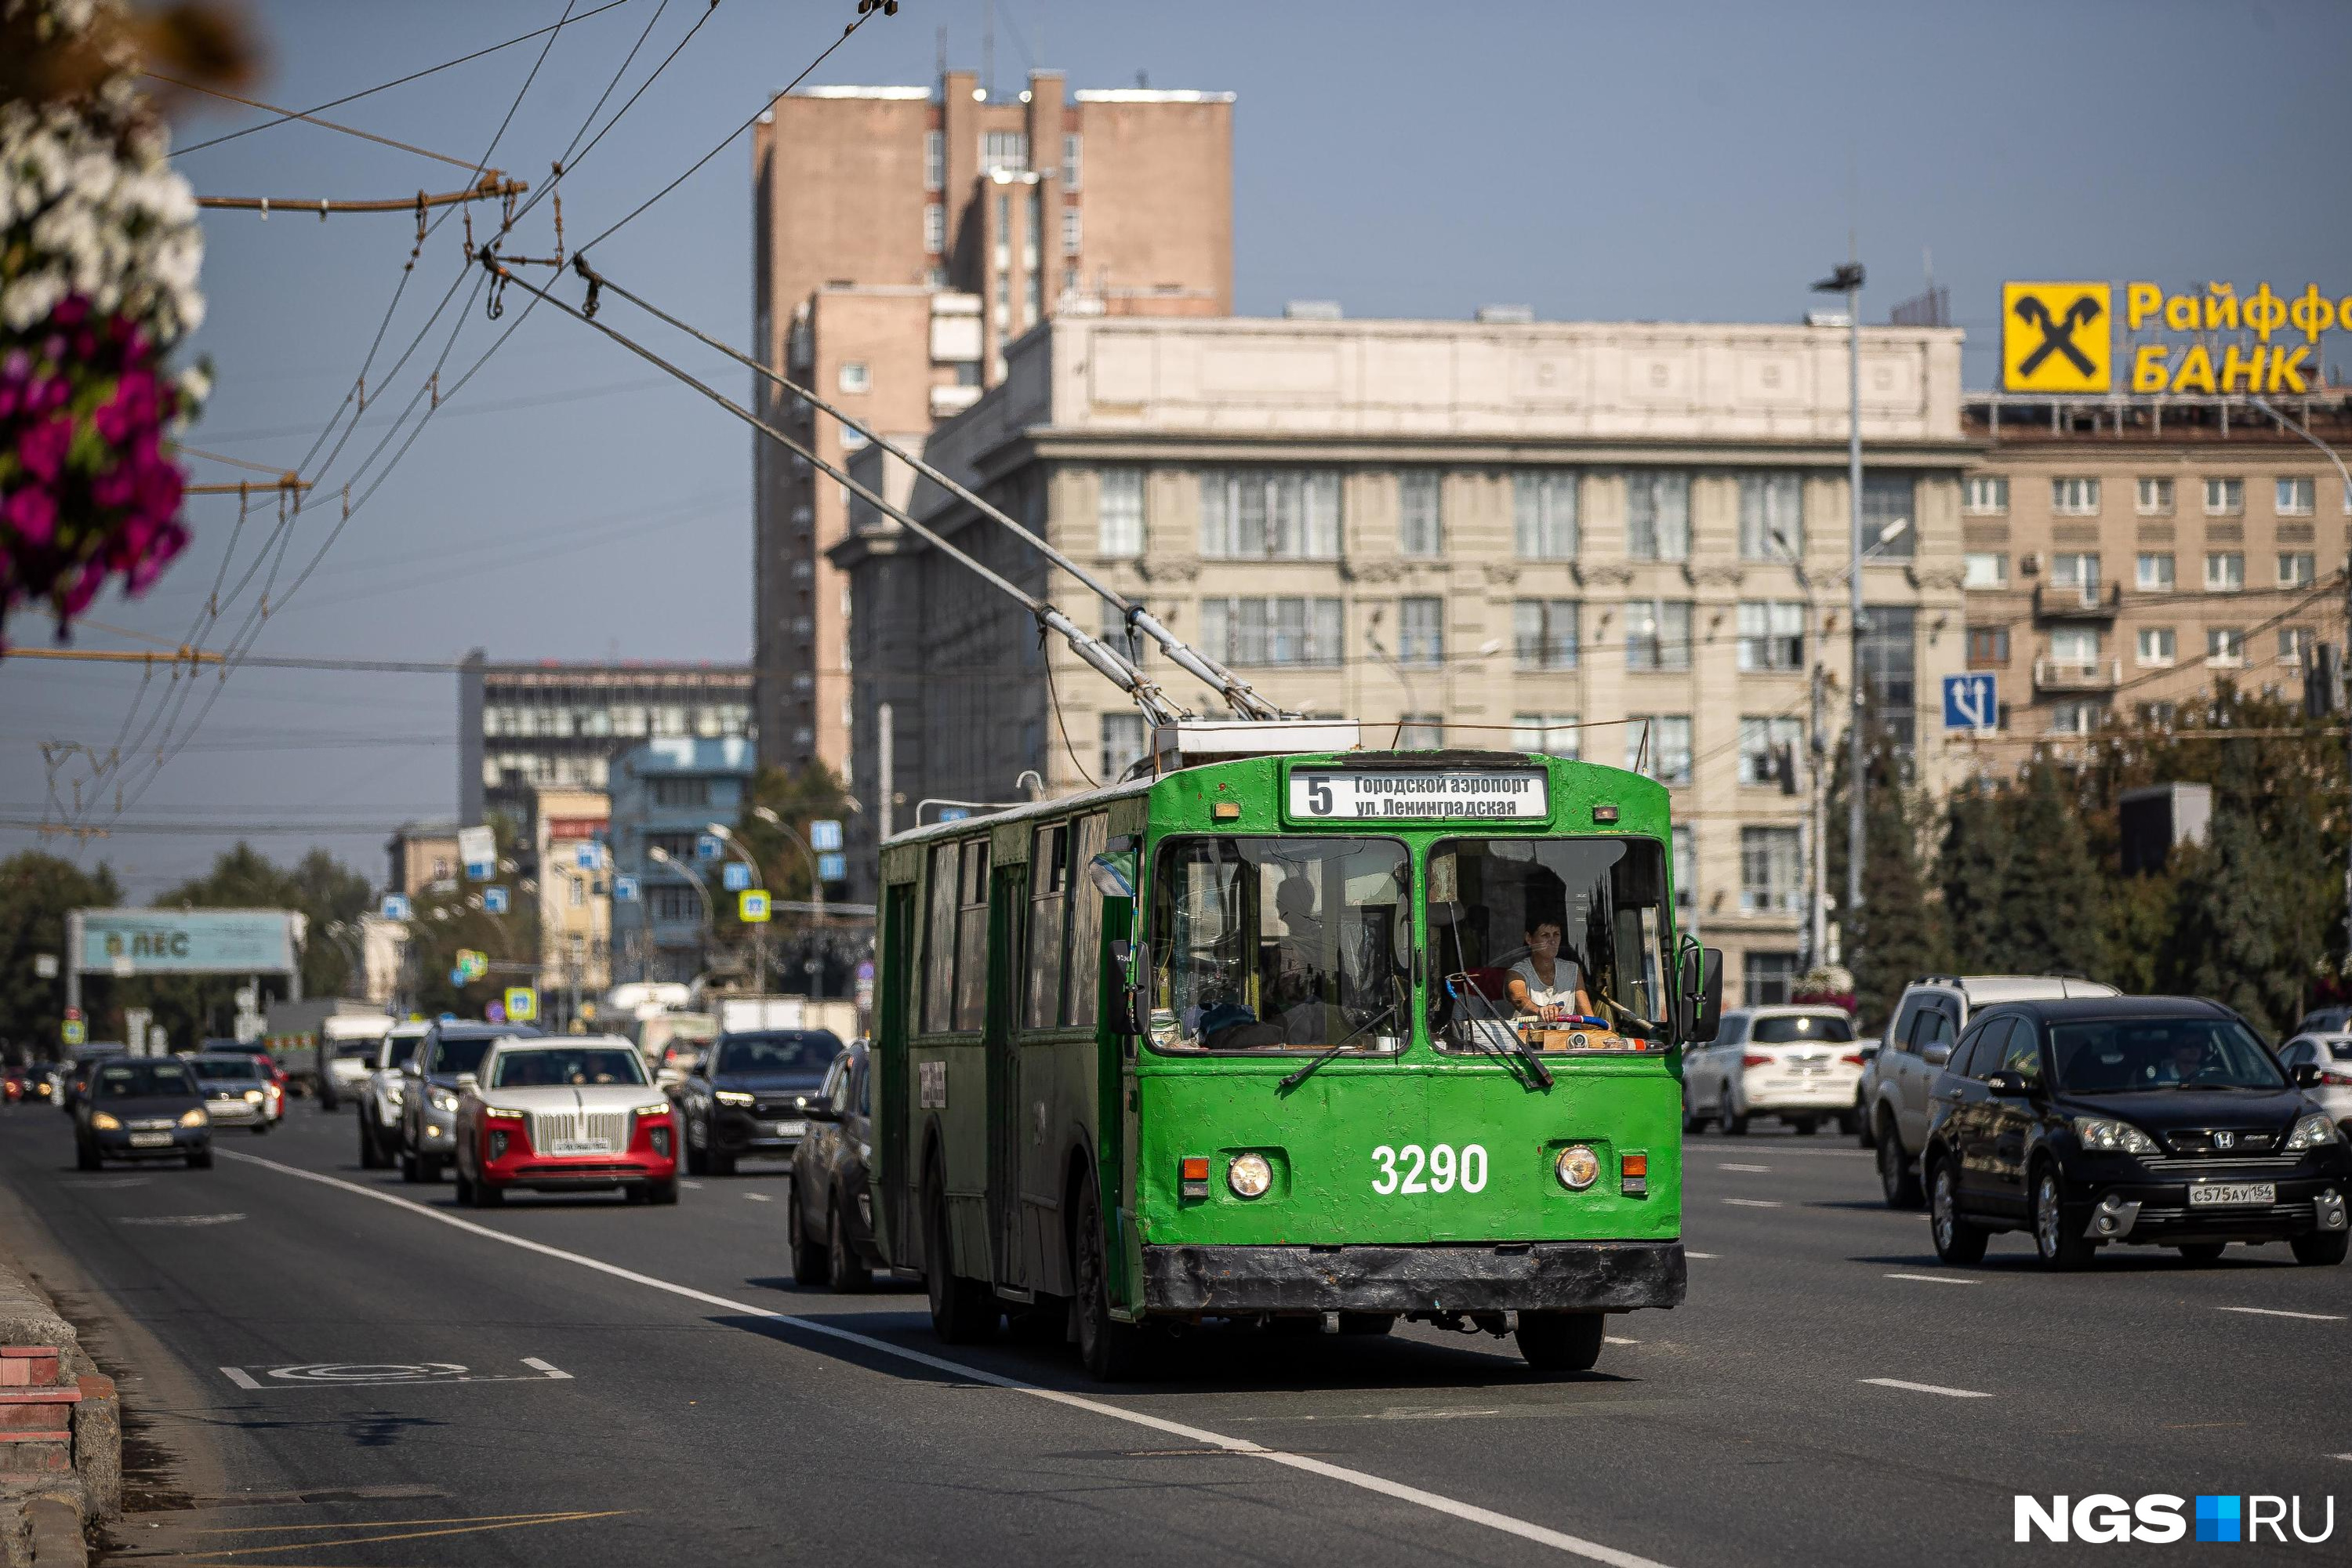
[{"x": 1007, "y": 918}]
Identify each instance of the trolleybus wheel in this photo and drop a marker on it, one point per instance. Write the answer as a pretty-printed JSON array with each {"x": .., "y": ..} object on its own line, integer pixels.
[
  {"x": 1560, "y": 1341},
  {"x": 963, "y": 1310},
  {"x": 1113, "y": 1352}
]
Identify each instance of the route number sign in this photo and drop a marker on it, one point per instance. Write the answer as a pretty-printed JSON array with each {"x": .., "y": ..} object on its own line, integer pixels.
[{"x": 1350, "y": 795}]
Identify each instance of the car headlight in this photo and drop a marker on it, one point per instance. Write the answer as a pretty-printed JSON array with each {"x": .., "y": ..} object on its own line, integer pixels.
[
  {"x": 2312, "y": 1131},
  {"x": 661, "y": 1110},
  {"x": 2102, "y": 1135},
  {"x": 1249, "y": 1175},
  {"x": 444, "y": 1100},
  {"x": 732, "y": 1097},
  {"x": 195, "y": 1118},
  {"x": 254, "y": 1095},
  {"x": 497, "y": 1113},
  {"x": 1578, "y": 1167},
  {"x": 101, "y": 1123}
]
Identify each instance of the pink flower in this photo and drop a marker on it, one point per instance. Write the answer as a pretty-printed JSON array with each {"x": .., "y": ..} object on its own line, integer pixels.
[
  {"x": 42, "y": 449},
  {"x": 33, "y": 513},
  {"x": 131, "y": 408},
  {"x": 71, "y": 311},
  {"x": 118, "y": 487},
  {"x": 91, "y": 578}
]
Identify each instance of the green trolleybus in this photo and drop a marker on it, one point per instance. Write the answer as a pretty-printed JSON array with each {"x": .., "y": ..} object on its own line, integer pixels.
[{"x": 1243, "y": 1041}]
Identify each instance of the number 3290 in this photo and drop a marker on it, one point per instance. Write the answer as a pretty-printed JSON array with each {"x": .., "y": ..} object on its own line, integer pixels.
[{"x": 1438, "y": 1169}]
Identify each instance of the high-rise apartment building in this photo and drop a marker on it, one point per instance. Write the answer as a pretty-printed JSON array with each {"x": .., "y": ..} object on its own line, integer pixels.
[{"x": 904, "y": 238}]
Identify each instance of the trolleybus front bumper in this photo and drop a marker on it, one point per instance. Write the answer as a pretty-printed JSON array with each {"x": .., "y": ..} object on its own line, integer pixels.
[{"x": 1541, "y": 1275}]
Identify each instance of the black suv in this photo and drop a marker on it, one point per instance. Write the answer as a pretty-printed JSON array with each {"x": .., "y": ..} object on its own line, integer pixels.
[
  {"x": 748, "y": 1095},
  {"x": 831, "y": 1222},
  {"x": 2159, "y": 1121},
  {"x": 428, "y": 1115}
]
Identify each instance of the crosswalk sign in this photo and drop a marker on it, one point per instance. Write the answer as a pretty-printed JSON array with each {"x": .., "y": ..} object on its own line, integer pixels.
[
  {"x": 73, "y": 1032},
  {"x": 522, "y": 1005},
  {"x": 2057, "y": 337},
  {"x": 751, "y": 905}
]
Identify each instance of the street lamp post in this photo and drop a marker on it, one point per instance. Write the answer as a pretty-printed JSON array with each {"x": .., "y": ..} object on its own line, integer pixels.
[
  {"x": 1816, "y": 750},
  {"x": 1847, "y": 281},
  {"x": 656, "y": 853},
  {"x": 759, "y": 938},
  {"x": 815, "y": 961}
]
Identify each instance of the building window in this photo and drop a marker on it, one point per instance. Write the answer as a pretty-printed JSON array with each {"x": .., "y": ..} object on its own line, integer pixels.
[
  {"x": 2225, "y": 571},
  {"x": 935, "y": 160},
  {"x": 1543, "y": 515},
  {"x": 1421, "y": 631},
  {"x": 2074, "y": 647},
  {"x": 1544, "y": 633},
  {"x": 2076, "y": 570},
  {"x": 1767, "y": 750},
  {"x": 1421, "y": 514},
  {"x": 935, "y": 228},
  {"x": 1771, "y": 517},
  {"x": 2157, "y": 647},
  {"x": 2294, "y": 644},
  {"x": 2079, "y": 718},
  {"x": 679, "y": 792},
  {"x": 1768, "y": 979},
  {"x": 1073, "y": 231},
  {"x": 1283, "y": 514},
  {"x": 1890, "y": 515},
  {"x": 2156, "y": 571},
  {"x": 1686, "y": 869},
  {"x": 2225, "y": 647},
  {"x": 673, "y": 906},
  {"x": 1889, "y": 656},
  {"x": 1006, "y": 150},
  {"x": 2074, "y": 497},
  {"x": 1771, "y": 871},
  {"x": 1033, "y": 233},
  {"x": 1073, "y": 160},
  {"x": 1985, "y": 495},
  {"x": 1771, "y": 634},
  {"x": 2297, "y": 498},
  {"x": 1299, "y": 631},
  {"x": 1658, "y": 515},
  {"x": 1118, "y": 514},
  {"x": 1553, "y": 734},
  {"x": 856, "y": 377},
  {"x": 1659, "y": 744},
  {"x": 1123, "y": 744},
  {"x": 2153, "y": 496},
  {"x": 2297, "y": 568},
  {"x": 1658, "y": 634},
  {"x": 1984, "y": 569},
  {"x": 2225, "y": 498},
  {"x": 1419, "y": 733},
  {"x": 1987, "y": 648}
]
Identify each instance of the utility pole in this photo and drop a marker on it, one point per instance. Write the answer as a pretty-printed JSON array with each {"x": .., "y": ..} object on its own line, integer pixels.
[
  {"x": 1847, "y": 281},
  {"x": 1817, "y": 755}
]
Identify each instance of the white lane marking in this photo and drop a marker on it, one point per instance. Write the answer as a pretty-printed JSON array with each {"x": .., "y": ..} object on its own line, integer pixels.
[
  {"x": 242, "y": 1378},
  {"x": 1722, "y": 1165},
  {"x": 1689, "y": 1254},
  {"x": 2340, "y": 1455},
  {"x": 691, "y": 1186},
  {"x": 1364, "y": 1480},
  {"x": 1927, "y": 1388},
  {"x": 759, "y": 1197},
  {"x": 181, "y": 1219},
  {"x": 1751, "y": 1202},
  {"x": 1614, "y": 1340},
  {"x": 1935, "y": 1279},
  {"x": 554, "y": 1371},
  {"x": 2274, "y": 1312}
]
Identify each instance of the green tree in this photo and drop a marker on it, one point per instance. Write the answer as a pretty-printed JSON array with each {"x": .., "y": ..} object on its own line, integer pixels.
[
  {"x": 1896, "y": 936},
  {"x": 1971, "y": 864},
  {"x": 35, "y": 892},
  {"x": 2233, "y": 938},
  {"x": 799, "y": 797},
  {"x": 2052, "y": 909}
]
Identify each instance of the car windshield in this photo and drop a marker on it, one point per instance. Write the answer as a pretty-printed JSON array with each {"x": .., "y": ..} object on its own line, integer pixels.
[
  {"x": 1783, "y": 1031},
  {"x": 225, "y": 1067},
  {"x": 2118, "y": 1055},
  {"x": 1280, "y": 944},
  {"x": 354, "y": 1050},
  {"x": 453, "y": 1056},
  {"x": 399, "y": 1049},
  {"x": 573, "y": 1065},
  {"x": 806, "y": 1051},
  {"x": 1502, "y": 910},
  {"x": 136, "y": 1080}
]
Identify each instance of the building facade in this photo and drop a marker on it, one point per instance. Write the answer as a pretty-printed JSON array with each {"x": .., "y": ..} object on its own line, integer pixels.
[
  {"x": 419, "y": 855},
  {"x": 525, "y": 727},
  {"x": 1623, "y": 543},
  {"x": 904, "y": 236},
  {"x": 2125, "y": 555},
  {"x": 665, "y": 794},
  {"x": 574, "y": 892}
]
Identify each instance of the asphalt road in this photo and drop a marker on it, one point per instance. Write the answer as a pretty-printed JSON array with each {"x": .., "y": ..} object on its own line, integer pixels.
[{"x": 318, "y": 1375}]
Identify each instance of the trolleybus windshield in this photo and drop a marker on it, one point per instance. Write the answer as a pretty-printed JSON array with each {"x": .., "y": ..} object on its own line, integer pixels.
[
  {"x": 1280, "y": 944},
  {"x": 1604, "y": 898}
]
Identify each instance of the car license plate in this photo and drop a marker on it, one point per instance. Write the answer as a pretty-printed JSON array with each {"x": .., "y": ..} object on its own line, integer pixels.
[
  {"x": 151, "y": 1140},
  {"x": 791, "y": 1128},
  {"x": 579, "y": 1146},
  {"x": 2207, "y": 1195}
]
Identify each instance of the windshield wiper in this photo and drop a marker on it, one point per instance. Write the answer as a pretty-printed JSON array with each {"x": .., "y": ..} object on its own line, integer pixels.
[
  {"x": 1534, "y": 1063},
  {"x": 1295, "y": 1080}
]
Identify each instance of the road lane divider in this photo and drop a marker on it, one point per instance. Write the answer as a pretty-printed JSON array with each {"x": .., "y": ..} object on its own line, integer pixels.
[
  {"x": 1935, "y": 1279},
  {"x": 1759, "y": 1170},
  {"x": 1926, "y": 1388},
  {"x": 1751, "y": 1202},
  {"x": 2278, "y": 1313},
  {"x": 1363, "y": 1480}
]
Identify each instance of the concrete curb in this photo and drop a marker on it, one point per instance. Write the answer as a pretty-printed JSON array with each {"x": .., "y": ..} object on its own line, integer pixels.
[{"x": 54, "y": 1494}]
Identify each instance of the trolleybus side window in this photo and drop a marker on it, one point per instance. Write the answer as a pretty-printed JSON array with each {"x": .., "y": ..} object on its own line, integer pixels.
[
  {"x": 1280, "y": 944},
  {"x": 971, "y": 937},
  {"x": 1049, "y": 892},
  {"x": 1603, "y": 896},
  {"x": 1085, "y": 922},
  {"x": 939, "y": 942}
]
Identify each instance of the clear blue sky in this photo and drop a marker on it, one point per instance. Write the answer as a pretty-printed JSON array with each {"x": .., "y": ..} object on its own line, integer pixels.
[{"x": 1697, "y": 161}]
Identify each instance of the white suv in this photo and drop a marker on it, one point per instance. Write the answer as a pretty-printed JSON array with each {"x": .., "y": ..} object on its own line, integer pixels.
[{"x": 1798, "y": 1063}]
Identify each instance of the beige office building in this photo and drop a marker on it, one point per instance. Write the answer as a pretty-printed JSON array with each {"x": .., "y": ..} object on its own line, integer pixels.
[
  {"x": 2124, "y": 555},
  {"x": 1576, "y": 537},
  {"x": 570, "y": 828},
  {"x": 904, "y": 238}
]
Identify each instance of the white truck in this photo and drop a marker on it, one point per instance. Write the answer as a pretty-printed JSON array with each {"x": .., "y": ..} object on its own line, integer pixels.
[
  {"x": 1899, "y": 1080},
  {"x": 327, "y": 1045}
]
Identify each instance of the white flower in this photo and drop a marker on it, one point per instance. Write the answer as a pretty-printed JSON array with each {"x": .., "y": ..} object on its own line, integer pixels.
[{"x": 27, "y": 301}]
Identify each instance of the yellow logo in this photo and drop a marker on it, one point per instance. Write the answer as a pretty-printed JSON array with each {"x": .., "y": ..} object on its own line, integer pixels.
[{"x": 2057, "y": 337}]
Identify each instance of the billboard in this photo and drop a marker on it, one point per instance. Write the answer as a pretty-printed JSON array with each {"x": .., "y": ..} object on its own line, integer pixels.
[{"x": 185, "y": 941}]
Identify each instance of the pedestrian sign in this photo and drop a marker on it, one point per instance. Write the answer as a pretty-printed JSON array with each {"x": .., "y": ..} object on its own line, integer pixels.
[
  {"x": 494, "y": 900},
  {"x": 751, "y": 905},
  {"x": 1972, "y": 703},
  {"x": 706, "y": 846},
  {"x": 624, "y": 890},
  {"x": 394, "y": 907},
  {"x": 73, "y": 1032},
  {"x": 523, "y": 1004},
  {"x": 737, "y": 876},
  {"x": 824, "y": 834},
  {"x": 2057, "y": 337}
]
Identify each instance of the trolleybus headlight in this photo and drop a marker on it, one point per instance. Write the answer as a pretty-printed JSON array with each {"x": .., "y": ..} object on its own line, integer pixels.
[
  {"x": 1249, "y": 1175},
  {"x": 1578, "y": 1168}
]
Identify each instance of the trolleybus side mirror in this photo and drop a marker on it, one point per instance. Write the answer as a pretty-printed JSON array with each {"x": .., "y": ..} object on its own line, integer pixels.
[
  {"x": 1136, "y": 1017},
  {"x": 1702, "y": 993}
]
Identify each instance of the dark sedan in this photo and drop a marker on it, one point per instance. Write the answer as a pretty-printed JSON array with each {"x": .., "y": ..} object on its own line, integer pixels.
[
  {"x": 2150, "y": 1120},
  {"x": 831, "y": 1221},
  {"x": 143, "y": 1110},
  {"x": 748, "y": 1095}
]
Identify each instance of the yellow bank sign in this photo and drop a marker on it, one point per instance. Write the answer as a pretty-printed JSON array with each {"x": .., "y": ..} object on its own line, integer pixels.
[{"x": 2061, "y": 337}]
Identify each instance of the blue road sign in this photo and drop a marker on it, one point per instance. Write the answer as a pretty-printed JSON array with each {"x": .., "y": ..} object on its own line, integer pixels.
[
  {"x": 736, "y": 877},
  {"x": 477, "y": 870},
  {"x": 832, "y": 867},
  {"x": 494, "y": 900},
  {"x": 624, "y": 890},
  {"x": 588, "y": 856},
  {"x": 1971, "y": 701},
  {"x": 824, "y": 836},
  {"x": 706, "y": 846},
  {"x": 396, "y": 906},
  {"x": 954, "y": 813}
]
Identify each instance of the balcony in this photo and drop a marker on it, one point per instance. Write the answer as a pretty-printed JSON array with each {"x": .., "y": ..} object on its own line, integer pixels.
[
  {"x": 2068, "y": 602},
  {"x": 2070, "y": 675}
]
